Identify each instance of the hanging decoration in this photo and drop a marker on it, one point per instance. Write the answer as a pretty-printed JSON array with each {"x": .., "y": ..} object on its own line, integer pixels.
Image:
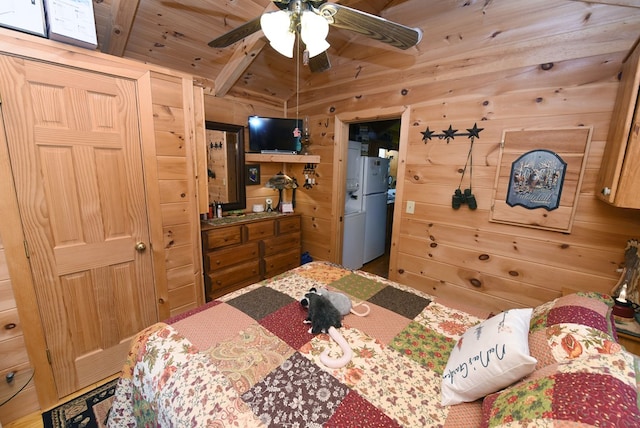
[
  {"x": 538, "y": 177},
  {"x": 450, "y": 134},
  {"x": 460, "y": 196}
]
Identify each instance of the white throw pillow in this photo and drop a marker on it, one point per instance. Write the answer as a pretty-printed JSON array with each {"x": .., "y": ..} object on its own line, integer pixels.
[{"x": 488, "y": 357}]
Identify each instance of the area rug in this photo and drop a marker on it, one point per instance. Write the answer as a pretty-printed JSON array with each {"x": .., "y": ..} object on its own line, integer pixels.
[{"x": 89, "y": 410}]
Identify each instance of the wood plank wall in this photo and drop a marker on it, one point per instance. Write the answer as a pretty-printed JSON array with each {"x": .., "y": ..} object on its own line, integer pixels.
[
  {"x": 507, "y": 65},
  {"x": 180, "y": 285},
  {"x": 14, "y": 352}
]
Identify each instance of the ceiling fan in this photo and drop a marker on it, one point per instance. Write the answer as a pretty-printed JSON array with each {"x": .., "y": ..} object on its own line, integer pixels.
[{"x": 311, "y": 20}]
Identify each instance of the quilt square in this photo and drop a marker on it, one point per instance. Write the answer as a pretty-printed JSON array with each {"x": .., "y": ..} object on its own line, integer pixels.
[
  {"x": 425, "y": 346},
  {"x": 215, "y": 324},
  {"x": 381, "y": 323},
  {"x": 365, "y": 349},
  {"x": 202, "y": 398},
  {"x": 298, "y": 393},
  {"x": 358, "y": 286},
  {"x": 401, "y": 302},
  {"x": 250, "y": 356},
  {"x": 260, "y": 302},
  {"x": 402, "y": 390},
  {"x": 356, "y": 412},
  {"x": 287, "y": 323},
  {"x": 322, "y": 272}
]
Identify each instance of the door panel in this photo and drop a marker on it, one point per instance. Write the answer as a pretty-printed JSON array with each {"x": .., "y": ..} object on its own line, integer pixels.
[{"x": 75, "y": 152}]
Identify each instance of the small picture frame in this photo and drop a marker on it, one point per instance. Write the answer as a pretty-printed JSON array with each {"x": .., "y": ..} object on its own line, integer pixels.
[{"x": 252, "y": 174}]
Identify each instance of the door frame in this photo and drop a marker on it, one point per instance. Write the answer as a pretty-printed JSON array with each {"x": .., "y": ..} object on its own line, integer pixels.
[{"x": 340, "y": 153}]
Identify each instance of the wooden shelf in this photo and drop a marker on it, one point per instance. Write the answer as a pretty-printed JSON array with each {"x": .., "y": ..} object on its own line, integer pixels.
[{"x": 261, "y": 157}]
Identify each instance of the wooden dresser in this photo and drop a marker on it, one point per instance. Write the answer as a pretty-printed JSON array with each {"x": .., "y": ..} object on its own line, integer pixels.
[{"x": 248, "y": 250}]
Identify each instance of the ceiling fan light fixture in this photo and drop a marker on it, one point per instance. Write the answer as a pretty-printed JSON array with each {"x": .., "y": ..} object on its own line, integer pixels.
[
  {"x": 277, "y": 28},
  {"x": 313, "y": 31}
]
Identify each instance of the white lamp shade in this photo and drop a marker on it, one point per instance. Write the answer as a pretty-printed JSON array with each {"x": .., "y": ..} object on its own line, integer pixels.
[
  {"x": 314, "y": 30},
  {"x": 276, "y": 27}
]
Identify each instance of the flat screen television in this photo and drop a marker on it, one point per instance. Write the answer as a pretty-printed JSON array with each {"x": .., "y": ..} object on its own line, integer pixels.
[{"x": 273, "y": 135}]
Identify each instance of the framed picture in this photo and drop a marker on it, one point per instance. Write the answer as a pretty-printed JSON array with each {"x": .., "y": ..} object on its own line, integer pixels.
[
  {"x": 252, "y": 172},
  {"x": 539, "y": 176},
  {"x": 536, "y": 180}
]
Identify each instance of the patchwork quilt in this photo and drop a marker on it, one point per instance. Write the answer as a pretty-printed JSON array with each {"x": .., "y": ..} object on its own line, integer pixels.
[{"x": 248, "y": 360}]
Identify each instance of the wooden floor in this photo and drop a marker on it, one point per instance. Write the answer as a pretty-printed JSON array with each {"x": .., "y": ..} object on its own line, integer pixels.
[
  {"x": 379, "y": 266},
  {"x": 34, "y": 420}
]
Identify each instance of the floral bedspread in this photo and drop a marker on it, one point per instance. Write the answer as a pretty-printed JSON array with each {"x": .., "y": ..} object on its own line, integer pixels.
[{"x": 247, "y": 360}]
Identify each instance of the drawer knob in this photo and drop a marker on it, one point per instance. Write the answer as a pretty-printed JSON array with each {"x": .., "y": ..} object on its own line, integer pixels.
[
  {"x": 606, "y": 191},
  {"x": 10, "y": 326}
]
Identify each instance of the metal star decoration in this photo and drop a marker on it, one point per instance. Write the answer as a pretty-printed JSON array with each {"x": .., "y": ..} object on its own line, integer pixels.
[
  {"x": 475, "y": 131},
  {"x": 426, "y": 135},
  {"x": 450, "y": 134}
]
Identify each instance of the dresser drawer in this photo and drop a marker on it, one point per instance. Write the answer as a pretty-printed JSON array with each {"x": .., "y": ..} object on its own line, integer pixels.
[
  {"x": 282, "y": 262},
  {"x": 288, "y": 225},
  {"x": 220, "y": 259},
  {"x": 234, "y": 274},
  {"x": 282, "y": 243},
  {"x": 260, "y": 230},
  {"x": 216, "y": 238}
]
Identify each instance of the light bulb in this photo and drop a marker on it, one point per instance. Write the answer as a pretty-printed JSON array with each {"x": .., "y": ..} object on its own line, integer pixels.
[
  {"x": 314, "y": 30},
  {"x": 277, "y": 28}
]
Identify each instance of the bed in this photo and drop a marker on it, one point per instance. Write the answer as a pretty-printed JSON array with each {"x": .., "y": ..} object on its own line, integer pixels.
[{"x": 248, "y": 360}]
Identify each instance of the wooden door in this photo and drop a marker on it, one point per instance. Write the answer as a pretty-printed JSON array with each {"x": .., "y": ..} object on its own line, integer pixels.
[{"x": 75, "y": 153}]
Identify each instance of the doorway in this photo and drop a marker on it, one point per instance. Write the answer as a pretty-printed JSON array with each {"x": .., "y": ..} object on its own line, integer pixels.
[{"x": 375, "y": 142}]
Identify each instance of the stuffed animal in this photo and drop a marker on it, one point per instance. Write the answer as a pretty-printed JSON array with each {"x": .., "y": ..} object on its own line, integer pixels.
[
  {"x": 341, "y": 301},
  {"x": 325, "y": 318}
]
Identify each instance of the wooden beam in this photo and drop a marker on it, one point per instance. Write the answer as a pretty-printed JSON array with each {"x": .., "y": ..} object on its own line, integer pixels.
[
  {"x": 123, "y": 13},
  {"x": 241, "y": 59}
]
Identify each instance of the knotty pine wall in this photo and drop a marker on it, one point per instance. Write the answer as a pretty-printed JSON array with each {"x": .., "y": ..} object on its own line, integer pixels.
[{"x": 543, "y": 64}]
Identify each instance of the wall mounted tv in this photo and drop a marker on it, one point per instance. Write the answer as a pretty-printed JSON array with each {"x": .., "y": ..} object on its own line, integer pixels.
[{"x": 273, "y": 135}]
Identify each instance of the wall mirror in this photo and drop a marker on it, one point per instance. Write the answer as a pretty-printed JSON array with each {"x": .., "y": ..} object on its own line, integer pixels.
[{"x": 225, "y": 164}]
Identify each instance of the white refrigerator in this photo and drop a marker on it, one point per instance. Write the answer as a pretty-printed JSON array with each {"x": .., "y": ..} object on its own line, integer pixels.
[
  {"x": 353, "y": 233},
  {"x": 365, "y": 208},
  {"x": 374, "y": 193}
]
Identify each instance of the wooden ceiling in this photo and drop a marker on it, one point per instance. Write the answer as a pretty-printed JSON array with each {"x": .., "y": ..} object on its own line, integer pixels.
[{"x": 175, "y": 34}]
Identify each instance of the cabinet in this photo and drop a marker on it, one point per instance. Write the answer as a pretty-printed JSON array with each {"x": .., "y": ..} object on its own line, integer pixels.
[
  {"x": 249, "y": 250},
  {"x": 619, "y": 176}
]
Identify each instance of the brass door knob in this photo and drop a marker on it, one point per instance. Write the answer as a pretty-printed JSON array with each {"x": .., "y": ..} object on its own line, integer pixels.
[{"x": 140, "y": 247}]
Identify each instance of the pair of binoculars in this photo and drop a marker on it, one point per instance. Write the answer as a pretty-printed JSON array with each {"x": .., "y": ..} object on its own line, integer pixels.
[{"x": 463, "y": 197}]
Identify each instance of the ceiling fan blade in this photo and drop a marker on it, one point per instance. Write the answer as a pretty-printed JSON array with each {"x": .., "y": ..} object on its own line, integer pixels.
[
  {"x": 319, "y": 63},
  {"x": 236, "y": 34},
  {"x": 378, "y": 28}
]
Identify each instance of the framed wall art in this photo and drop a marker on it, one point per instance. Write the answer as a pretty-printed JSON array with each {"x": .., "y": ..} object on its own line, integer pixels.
[
  {"x": 539, "y": 176},
  {"x": 252, "y": 177}
]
